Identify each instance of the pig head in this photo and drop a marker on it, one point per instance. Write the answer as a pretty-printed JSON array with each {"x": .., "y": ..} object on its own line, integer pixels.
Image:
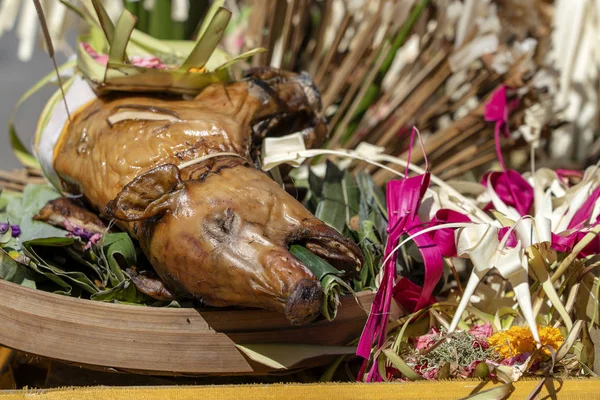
[{"x": 220, "y": 232}]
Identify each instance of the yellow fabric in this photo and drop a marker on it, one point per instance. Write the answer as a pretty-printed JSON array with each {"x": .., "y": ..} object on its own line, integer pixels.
[{"x": 571, "y": 389}]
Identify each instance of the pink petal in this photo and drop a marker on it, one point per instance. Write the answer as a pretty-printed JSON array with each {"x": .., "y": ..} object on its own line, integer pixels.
[
  {"x": 518, "y": 359},
  {"x": 90, "y": 50},
  {"x": 482, "y": 331},
  {"x": 434, "y": 266},
  {"x": 425, "y": 341},
  {"x": 471, "y": 367},
  {"x": 430, "y": 374}
]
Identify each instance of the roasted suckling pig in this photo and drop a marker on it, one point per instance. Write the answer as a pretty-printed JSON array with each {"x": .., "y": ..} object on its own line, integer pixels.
[{"x": 181, "y": 176}]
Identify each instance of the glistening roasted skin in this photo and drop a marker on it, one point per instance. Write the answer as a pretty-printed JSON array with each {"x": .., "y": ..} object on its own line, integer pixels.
[{"x": 217, "y": 230}]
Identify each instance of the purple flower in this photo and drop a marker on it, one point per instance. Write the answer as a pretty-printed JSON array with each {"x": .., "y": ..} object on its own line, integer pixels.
[
  {"x": 82, "y": 233},
  {"x": 15, "y": 229}
]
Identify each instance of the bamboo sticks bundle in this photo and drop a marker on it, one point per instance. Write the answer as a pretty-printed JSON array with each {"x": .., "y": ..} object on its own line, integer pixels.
[
  {"x": 384, "y": 66},
  {"x": 16, "y": 180},
  {"x": 387, "y": 65}
]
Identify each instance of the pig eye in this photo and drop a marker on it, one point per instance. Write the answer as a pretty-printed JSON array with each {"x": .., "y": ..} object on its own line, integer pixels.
[
  {"x": 223, "y": 224},
  {"x": 227, "y": 223}
]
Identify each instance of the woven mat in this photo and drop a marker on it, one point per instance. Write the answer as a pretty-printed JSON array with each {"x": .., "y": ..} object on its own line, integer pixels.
[{"x": 565, "y": 390}]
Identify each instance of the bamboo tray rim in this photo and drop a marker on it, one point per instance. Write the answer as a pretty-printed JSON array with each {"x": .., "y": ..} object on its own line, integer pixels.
[{"x": 161, "y": 341}]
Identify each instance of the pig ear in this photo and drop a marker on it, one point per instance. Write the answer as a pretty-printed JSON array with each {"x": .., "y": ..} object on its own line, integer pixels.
[{"x": 148, "y": 195}]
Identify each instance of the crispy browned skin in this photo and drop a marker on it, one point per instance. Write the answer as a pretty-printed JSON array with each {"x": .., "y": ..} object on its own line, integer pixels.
[
  {"x": 66, "y": 213},
  {"x": 218, "y": 230}
]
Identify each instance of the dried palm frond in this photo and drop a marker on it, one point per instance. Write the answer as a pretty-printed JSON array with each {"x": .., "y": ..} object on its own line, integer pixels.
[
  {"x": 576, "y": 57},
  {"x": 16, "y": 180},
  {"x": 384, "y": 66}
]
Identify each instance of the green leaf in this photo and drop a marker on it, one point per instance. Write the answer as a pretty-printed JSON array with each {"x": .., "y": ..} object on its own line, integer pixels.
[
  {"x": 123, "y": 31},
  {"x": 372, "y": 227},
  {"x": 351, "y": 196},
  {"x": 284, "y": 356},
  {"x": 316, "y": 264},
  {"x": 540, "y": 270},
  {"x": 330, "y": 371},
  {"x": 42, "y": 234},
  {"x": 160, "y": 22},
  {"x": 401, "y": 365},
  {"x": 315, "y": 183},
  {"x": 242, "y": 57},
  {"x": 35, "y": 197},
  {"x": 117, "y": 247},
  {"x": 34, "y": 265},
  {"x": 210, "y": 13},
  {"x": 52, "y": 271},
  {"x": 105, "y": 22},
  {"x": 495, "y": 393},
  {"x": 80, "y": 258},
  {"x": 21, "y": 211},
  {"x": 570, "y": 340},
  {"x": 74, "y": 8},
  {"x": 125, "y": 292},
  {"x": 208, "y": 41},
  {"x": 332, "y": 209},
  {"x": 333, "y": 286},
  {"x": 12, "y": 271},
  {"x": 373, "y": 194},
  {"x": 6, "y": 236},
  {"x": 132, "y": 5},
  {"x": 19, "y": 149}
]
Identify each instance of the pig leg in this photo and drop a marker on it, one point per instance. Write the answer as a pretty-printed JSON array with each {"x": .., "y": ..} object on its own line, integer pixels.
[
  {"x": 70, "y": 215},
  {"x": 151, "y": 286}
]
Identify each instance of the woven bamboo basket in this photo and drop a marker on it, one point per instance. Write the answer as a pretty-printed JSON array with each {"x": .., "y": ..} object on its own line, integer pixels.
[{"x": 158, "y": 341}]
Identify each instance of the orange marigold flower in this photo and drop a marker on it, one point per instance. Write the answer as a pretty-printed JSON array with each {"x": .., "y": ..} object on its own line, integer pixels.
[
  {"x": 198, "y": 70},
  {"x": 518, "y": 340}
]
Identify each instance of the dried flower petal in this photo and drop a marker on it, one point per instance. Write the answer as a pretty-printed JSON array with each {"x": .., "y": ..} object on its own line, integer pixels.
[{"x": 482, "y": 331}]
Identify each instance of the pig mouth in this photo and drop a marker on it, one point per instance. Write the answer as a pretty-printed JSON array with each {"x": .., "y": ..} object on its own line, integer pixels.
[
  {"x": 306, "y": 298},
  {"x": 327, "y": 243}
]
